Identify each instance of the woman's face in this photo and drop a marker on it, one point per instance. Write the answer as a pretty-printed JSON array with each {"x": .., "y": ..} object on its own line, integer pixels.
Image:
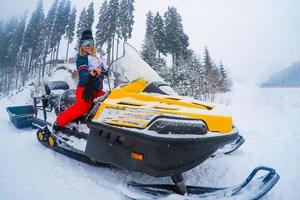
[{"x": 87, "y": 49}]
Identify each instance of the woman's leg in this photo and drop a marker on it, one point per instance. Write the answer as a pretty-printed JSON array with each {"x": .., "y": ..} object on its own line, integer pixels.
[{"x": 75, "y": 111}]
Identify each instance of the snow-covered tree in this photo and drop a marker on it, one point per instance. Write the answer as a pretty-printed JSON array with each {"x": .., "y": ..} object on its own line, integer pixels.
[
  {"x": 150, "y": 45},
  {"x": 148, "y": 52},
  {"x": 176, "y": 39},
  {"x": 211, "y": 81},
  {"x": 86, "y": 20},
  {"x": 70, "y": 30},
  {"x": 207, "y": 60},
  {"x": 159, "y": 34},
  {"x": 115, "y": 23},
  {"x": 11, "y": 38},
  {"x": 149, "y": 25},
  {"x": 60, "y": 23},
  {"x": 126, "y": 19},
  {"x": 47, "y": 39},
  {"x": 51, "y": 26},
  {"x": 89, "y": 17},
  {"x": 33, "y": 32},
  {"x": 81, "y": 25},
  {"x": 102, "y": 32},
  {"x": 224, "y": 81},
  {"x": 113, "y": 12}
]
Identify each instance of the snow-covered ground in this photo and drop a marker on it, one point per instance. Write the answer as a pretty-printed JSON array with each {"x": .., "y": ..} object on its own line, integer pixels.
[{"x": 269, "y": 120}]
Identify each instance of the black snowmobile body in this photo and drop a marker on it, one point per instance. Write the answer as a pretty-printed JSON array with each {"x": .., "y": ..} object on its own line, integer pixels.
[{"x": 156, "y": 156}]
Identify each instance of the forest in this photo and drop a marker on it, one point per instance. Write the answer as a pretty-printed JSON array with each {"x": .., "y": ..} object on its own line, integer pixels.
[{"x": 31, "y": 45}]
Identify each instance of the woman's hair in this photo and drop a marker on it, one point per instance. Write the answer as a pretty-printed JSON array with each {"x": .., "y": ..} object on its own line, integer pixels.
[{"x": 82, "y": 53}]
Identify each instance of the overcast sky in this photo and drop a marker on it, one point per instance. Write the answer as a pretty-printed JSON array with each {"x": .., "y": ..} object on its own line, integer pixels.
[{"x": 252, "y": 37}]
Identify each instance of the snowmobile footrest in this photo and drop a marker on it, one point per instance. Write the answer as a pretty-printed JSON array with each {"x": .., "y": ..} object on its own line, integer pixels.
[{"x": 38, "y": 123}]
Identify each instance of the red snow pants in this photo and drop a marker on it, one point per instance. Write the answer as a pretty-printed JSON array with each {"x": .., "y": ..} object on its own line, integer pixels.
[{"x": 79, "y": 108}]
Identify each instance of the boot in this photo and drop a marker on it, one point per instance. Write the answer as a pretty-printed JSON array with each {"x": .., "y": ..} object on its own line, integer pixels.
[{"x": 56, "y": 128}]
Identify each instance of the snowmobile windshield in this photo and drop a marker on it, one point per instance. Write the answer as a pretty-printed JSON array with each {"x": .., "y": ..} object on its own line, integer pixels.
[{"x": 131, "y": 67}]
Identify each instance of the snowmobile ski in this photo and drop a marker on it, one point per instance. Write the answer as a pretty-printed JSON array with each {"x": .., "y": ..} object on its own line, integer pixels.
[{"x": 252, "y": 188}]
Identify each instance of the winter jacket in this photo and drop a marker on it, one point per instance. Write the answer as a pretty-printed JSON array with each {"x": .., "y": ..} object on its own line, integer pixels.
[{"x": 87, "y": 63}]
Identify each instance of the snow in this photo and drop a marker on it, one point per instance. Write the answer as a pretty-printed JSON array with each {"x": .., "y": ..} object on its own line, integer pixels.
[{"x": 268, "y": 119}]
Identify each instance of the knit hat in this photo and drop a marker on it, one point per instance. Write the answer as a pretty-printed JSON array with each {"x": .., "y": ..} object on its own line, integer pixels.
[{"x": 86, "y": 35}]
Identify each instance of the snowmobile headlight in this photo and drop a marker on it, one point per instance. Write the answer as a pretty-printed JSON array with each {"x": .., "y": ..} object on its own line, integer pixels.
[{"x": 178, "y": 126}]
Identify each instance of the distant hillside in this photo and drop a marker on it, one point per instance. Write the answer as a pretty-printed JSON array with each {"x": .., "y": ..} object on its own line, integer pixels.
[{"x": 289, "y": 77}]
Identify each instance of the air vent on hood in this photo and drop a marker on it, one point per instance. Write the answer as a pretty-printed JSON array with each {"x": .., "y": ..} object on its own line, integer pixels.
[
  {"x": 205, "y": 106},
  {"x": 165, "y": 108},
  {"x": 129, "y": 104}
]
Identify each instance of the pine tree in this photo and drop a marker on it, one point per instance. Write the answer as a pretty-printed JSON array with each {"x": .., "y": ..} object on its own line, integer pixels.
[
  {"x": 159, "y": 34},
  {"x": 195, "y": 71},
  {"x": 48, "y": 37},
  {"x": 149, "y": 48},
  {"x": 81, "y": 25},
  {"x": 102, "y": 33},
  {"x": 184, "y": 40},
  {"x": 89, "y": 17},
  {"x": 34, "y": 27},
  {"x": 17, "y": 36},
  {"x": 148, "y": 52},
  {"x": 60, "y": 23},
  {"x": 8, "y": 30},
  {"x": 222, "y": 71},
  {"x": 33, "y": 32},
  {"x": 211, "y": 77},
  {"x": 126, "y": 18},
  {"x": 224, "y": 82},
  {"x": 52, "y": 27},
  {"x": 149, "y": 25},
  {"x": 176, "y": 39},
  {"x": 11, "y": 37},
  {"x": 207, "y": 61},
  {"x": 70, "y": 30},
  {"x": 113, "y": 12}
]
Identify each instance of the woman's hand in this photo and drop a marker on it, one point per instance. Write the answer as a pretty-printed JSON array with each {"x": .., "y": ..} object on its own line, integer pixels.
[{"x": 96, "y": 72}]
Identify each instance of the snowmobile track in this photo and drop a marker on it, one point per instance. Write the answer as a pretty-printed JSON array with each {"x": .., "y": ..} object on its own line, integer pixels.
[{"x": 71, "y": 152}]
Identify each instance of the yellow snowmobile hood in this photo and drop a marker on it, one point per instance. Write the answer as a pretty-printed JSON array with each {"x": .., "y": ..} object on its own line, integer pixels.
[{"x": 129, "y": 106}]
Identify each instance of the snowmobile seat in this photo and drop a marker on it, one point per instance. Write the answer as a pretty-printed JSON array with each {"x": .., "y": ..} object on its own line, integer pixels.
[
  {"x": 55, "y": 85},
  {"x": 68, "y": 97}
]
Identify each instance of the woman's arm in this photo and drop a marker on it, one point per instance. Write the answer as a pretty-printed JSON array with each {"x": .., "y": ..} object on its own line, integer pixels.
[{"x": 83, "y": 70}]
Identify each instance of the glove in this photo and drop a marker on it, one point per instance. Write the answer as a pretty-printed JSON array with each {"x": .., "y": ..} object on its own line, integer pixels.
[{"x": 88, "y": 91}]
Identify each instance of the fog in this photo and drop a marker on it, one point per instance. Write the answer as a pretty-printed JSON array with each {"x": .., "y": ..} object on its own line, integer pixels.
[{"x": 253, "y": 38}]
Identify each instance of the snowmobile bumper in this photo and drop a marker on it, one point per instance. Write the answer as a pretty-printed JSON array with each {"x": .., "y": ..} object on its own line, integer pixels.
[{"x": 157, "y": 156}]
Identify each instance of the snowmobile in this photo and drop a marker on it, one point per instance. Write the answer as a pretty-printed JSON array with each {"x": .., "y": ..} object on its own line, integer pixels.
[{"x": 142, "y": 125}]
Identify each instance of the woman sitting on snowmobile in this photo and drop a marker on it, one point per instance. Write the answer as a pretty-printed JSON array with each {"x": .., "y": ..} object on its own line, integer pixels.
[{"x": 89, "y": 68}]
